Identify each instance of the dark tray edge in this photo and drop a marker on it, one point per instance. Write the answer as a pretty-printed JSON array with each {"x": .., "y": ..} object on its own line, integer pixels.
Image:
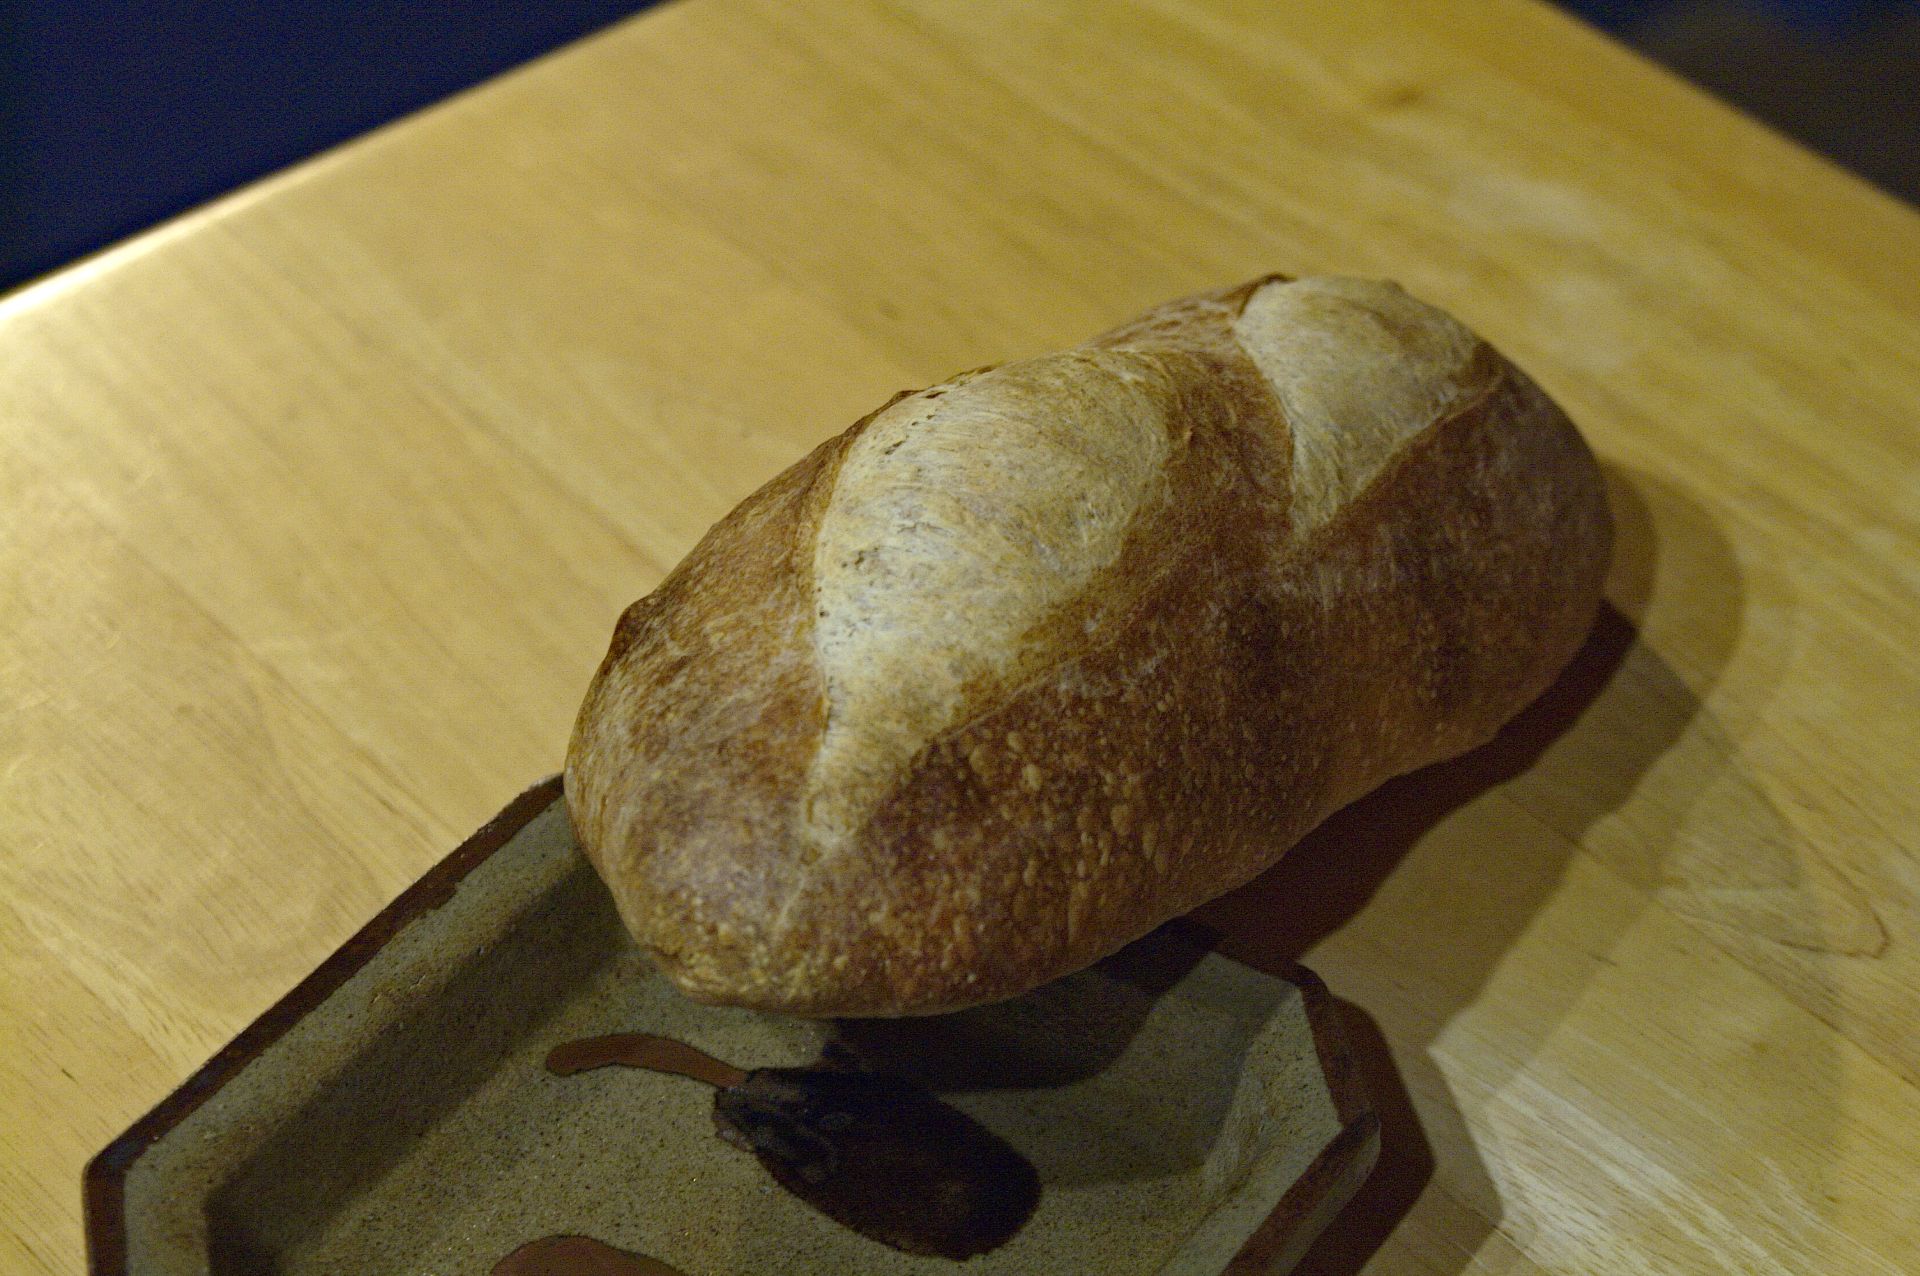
[
  {"x": 1337, "y": 1170},
  {"x": 103, "y": 1183},
  {"x": 1329, "y": 1180}
]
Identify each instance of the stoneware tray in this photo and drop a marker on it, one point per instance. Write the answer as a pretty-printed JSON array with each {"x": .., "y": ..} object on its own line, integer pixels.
[{"x": 1186, "y": 1114}]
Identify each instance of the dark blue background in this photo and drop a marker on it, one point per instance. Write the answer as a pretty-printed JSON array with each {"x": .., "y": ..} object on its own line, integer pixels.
[
  {"x": 118, "y": 113},
  {"x": 115, "y": 114}
]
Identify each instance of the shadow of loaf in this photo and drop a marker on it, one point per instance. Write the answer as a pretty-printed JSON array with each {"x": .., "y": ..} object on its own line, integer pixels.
[{"x": 1024, "y": 664}]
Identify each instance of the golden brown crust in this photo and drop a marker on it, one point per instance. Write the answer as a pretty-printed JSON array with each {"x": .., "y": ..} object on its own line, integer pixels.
[
  {"x": 707, "y": 696},
  {"x": 1159, "y": 734}
]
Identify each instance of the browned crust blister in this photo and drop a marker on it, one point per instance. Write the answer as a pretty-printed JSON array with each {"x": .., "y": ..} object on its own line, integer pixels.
[{"x": 1159, "y": 737}]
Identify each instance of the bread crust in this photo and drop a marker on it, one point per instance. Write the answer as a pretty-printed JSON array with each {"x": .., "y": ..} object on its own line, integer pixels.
[{"x": 814, "y": 787}]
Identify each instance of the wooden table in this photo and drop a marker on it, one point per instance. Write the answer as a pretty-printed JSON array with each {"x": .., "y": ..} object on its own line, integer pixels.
[{"x": 319, "y": 506}]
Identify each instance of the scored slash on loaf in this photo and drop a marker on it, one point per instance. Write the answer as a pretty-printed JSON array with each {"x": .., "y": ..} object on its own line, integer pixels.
[{"x": 1022, "y": 665}]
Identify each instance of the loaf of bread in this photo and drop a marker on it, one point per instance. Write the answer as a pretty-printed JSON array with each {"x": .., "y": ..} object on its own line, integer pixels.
[{"x": 1022, "y": 665}]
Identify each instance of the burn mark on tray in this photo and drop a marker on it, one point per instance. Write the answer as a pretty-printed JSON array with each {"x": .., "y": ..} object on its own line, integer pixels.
[
  {"x": 578, "y": 1256},
  {"x": 874, "y": 1152}
]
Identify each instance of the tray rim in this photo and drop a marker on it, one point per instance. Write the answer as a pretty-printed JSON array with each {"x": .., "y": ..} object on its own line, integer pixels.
[
  {"x": 1342, "y": 1163},
  {"x": 103, "y": 1182}
]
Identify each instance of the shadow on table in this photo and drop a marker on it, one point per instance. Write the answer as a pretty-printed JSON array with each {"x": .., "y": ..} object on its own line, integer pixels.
[{"x": 1605, "y": 724}]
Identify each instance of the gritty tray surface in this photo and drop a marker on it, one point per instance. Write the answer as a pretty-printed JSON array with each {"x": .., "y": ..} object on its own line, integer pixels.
[{"x": 1186, "y": 1114}]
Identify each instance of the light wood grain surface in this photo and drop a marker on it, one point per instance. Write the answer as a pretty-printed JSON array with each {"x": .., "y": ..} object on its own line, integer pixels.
[{"x": 317, "y": 507}]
